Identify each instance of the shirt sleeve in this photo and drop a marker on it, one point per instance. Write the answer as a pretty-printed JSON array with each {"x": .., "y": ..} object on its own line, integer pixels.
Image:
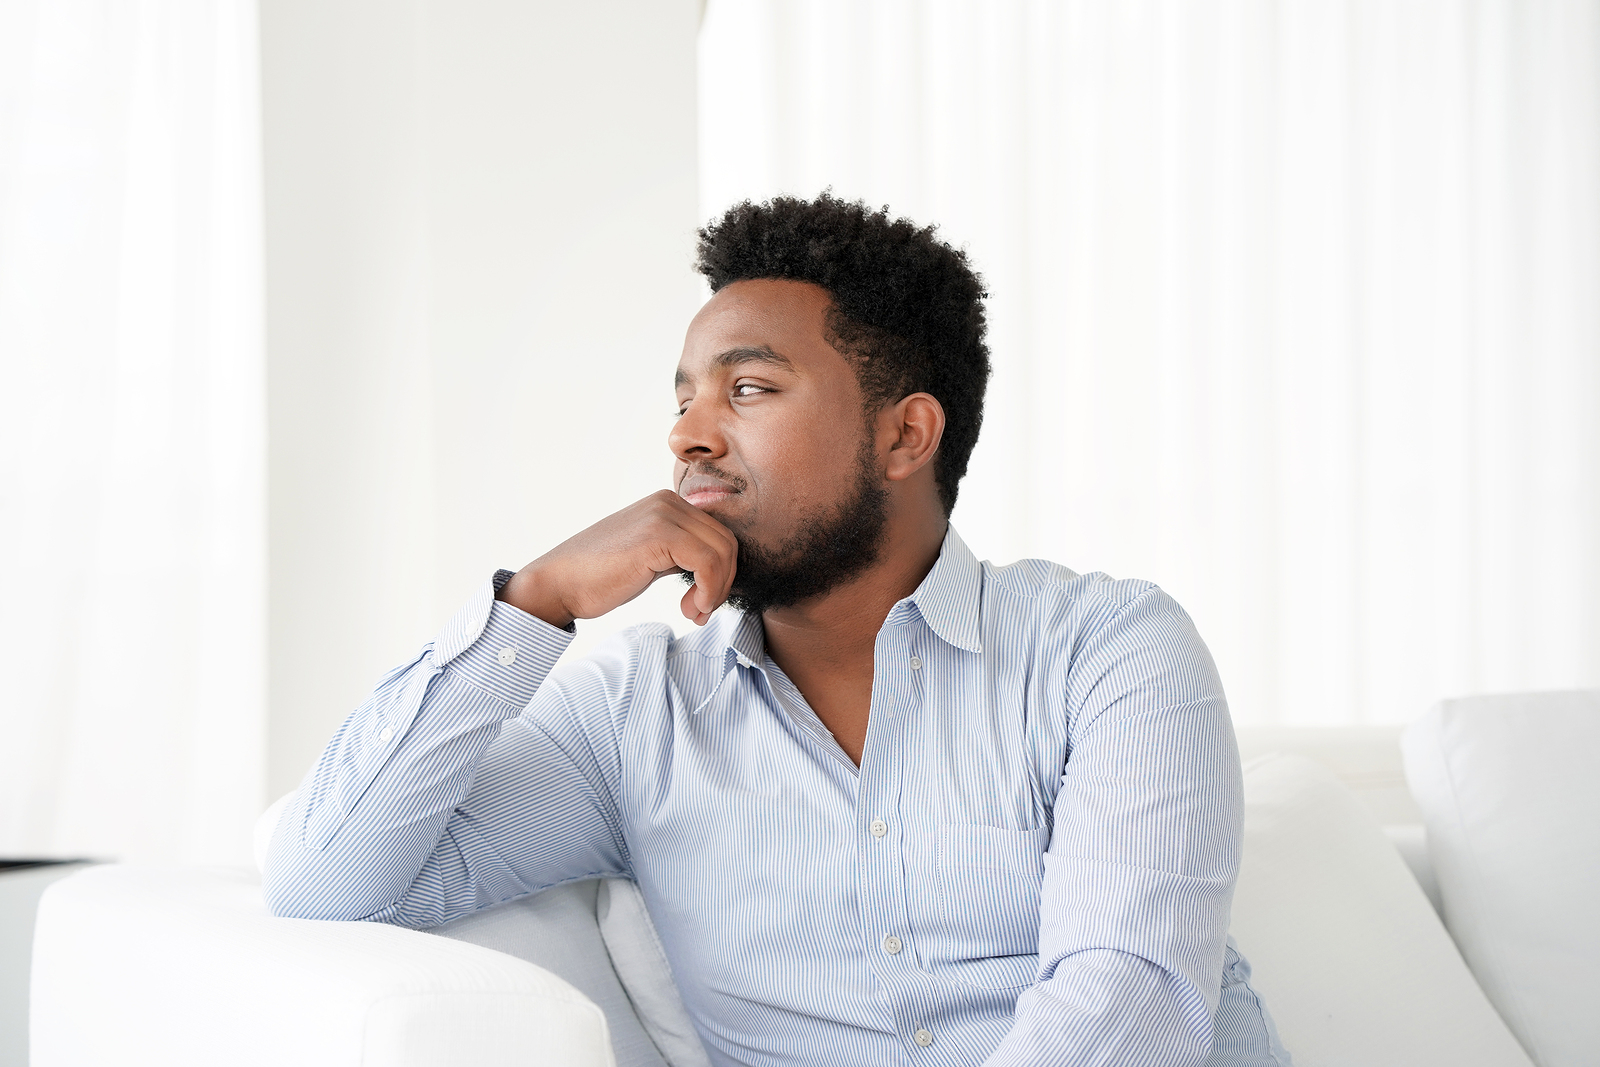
[
  {"x": 1139, "y": 875},
  {"x": 447, "y": 790}
]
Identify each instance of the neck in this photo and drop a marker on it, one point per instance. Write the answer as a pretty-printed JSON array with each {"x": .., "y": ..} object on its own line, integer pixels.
[
  {"x": 836, "y": 631},
  {"x": 825, "y": 644}
]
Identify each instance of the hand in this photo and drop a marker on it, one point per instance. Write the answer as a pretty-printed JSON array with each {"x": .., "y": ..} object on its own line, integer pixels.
[{"x": 618, "y": 557}]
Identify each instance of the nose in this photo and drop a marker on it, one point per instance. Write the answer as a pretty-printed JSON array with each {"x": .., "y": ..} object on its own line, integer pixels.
[{"x": 697, "y": 433}]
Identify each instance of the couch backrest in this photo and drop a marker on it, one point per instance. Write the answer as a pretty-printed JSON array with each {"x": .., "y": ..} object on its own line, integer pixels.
[
  {"x": 1366, "y": 759},
  {"x": 1355, "y": 967},
  {"x": 1512, "y": 800}
]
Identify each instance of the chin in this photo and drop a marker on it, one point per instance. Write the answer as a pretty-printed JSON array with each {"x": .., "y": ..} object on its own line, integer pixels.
[{"x": 741, "y": 525}]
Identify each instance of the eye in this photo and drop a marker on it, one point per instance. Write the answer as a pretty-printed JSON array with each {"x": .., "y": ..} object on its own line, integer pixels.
[{"x": 749, "y": 389}]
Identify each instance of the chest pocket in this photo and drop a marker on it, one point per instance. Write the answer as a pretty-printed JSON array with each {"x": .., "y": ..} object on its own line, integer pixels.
[{"x": 988, "y": 884}]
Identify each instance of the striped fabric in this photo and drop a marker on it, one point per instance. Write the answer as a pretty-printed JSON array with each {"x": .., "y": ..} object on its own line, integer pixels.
[{"x": 1033, "y": 864}]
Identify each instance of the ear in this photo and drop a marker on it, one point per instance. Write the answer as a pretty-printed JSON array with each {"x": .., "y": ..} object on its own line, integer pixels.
[{"x": 912, "y": 429}]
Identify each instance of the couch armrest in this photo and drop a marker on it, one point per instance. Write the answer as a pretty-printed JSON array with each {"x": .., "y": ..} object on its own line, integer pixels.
[{"x": 184, "y": 966}]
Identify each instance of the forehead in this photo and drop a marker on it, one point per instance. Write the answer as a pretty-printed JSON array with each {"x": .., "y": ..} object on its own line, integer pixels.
[{"x": 783, "y": 316}]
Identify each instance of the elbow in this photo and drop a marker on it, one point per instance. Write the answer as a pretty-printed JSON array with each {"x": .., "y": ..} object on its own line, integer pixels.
[
  {"x": 298, "y": 882},
  {"x": 289, "y": 894},
  {"x": 297, "y": 886},
  {"x": 293, "y": 898}
]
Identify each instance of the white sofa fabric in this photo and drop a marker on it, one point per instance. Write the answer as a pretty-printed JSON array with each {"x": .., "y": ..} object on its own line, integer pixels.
[
  {"x": 557, "y": 931},
  {"x": 1349, "y": 956},
  {"x": 641, "y": 964},
  {"x": 1366, "y": 760},
  {"x": 595, "y": 935},
  {"x": 1354, "y": 964},
  {"x": 1510, "y": 793},
  {"x": 177, "y": 966}
]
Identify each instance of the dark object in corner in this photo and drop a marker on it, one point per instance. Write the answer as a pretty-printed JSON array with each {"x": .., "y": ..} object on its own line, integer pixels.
[{"x": 22, "y": 865}]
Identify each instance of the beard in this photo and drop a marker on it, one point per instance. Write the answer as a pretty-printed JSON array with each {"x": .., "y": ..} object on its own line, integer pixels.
[{"x": 833, "y": 545}]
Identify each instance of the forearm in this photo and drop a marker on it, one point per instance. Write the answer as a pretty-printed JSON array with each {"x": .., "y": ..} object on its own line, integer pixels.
[{"x": 373, "y": 810}]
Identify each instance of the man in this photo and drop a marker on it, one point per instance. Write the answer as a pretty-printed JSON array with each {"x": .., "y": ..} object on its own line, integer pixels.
[{"x": 894, "y": 806}]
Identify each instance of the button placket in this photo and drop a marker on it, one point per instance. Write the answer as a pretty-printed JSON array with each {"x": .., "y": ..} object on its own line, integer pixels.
[
  {"x": 878, "y": 887},
  {"x": 882, "y": 886}
]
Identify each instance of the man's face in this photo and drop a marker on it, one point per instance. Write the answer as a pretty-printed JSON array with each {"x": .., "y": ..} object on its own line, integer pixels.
[{"x": 771, "y": 438}]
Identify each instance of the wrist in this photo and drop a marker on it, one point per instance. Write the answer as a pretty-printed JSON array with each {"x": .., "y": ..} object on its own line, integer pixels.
[{"x": 527, "y": 592}]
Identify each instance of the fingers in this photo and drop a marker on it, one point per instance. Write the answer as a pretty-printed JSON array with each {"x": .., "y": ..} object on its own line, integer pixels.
[
  {"x": 698, "y": 543},
  {"x": 691, "y": 611},
  {"x": 619, "y": 557}
]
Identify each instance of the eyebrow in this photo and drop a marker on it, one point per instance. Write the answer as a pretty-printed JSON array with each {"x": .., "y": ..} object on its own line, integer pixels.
[{"x": 733, "y": 357}]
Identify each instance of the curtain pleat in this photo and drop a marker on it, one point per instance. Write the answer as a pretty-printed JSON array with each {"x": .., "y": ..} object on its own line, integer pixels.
[{"x": 132, "y": 425}]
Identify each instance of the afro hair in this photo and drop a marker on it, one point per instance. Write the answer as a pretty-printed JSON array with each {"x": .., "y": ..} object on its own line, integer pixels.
[{"x": 907, "y": 307}]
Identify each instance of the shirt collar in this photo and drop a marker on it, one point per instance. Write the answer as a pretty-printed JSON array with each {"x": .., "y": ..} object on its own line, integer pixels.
[
  {"x": 949, "y": 597},
  {"x": 747, "y": 643},
  {"x": 947, "y": 600}
]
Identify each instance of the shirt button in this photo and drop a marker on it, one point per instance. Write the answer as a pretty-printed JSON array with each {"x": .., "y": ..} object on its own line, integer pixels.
[
  {"x": 916, "y": 664},
  {"x": 878, "y": 827},
  {"x": 508, "y": 656},
  {"x": 385, "y": 734},
  {"x": 891, "y": 945},
  {"x": 923, "y": 1038}
]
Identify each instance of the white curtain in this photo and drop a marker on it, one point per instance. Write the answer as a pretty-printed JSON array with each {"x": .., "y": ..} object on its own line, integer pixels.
[
  {"x": 132, "y": 427},
  {"x": 1296, "y": 306}
]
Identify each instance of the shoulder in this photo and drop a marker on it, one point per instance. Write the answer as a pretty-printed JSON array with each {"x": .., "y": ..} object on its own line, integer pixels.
[
  {"x": 1087, "y": 628},
  {"x": 1058, "y": 597}
]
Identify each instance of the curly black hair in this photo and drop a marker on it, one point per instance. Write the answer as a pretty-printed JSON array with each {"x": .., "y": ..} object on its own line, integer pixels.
[{"x": 907, "y": 307}]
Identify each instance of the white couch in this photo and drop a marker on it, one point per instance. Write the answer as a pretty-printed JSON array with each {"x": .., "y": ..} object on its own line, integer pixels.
[{"x": 1338, "y": 907}]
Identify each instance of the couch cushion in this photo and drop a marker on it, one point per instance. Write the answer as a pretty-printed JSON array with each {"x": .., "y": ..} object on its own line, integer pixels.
[
  {"x": 1511, "y": 797},
  {"x": 185, "y": 966},
  {"x": 558, "y": 930},
  {"x": 1348, "y": 955},
  {"x": 1365, "y": 758},
  {"x": 641, "y": 965}
]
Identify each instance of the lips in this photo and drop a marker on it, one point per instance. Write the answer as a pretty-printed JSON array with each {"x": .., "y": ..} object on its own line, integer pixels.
[{"x": 703, "y": 490}]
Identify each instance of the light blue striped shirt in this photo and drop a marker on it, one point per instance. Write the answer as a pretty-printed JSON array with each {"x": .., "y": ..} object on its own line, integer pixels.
[{"x": 1032, "y": 865}]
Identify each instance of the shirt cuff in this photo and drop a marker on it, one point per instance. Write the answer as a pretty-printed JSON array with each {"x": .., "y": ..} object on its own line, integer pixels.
[{"x": 499, "y": 648}]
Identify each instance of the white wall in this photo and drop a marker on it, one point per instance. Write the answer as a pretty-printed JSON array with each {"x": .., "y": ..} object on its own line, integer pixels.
[{"x": 479, "y": 222}]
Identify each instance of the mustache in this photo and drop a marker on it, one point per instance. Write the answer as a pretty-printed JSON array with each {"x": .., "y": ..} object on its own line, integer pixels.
[{"x": 714, "y": 471}]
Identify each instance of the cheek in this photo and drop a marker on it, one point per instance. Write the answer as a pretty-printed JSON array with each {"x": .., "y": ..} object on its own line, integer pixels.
[
  {"x": 797, "y": 444},
  {"x": 807, "y": 461}
]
